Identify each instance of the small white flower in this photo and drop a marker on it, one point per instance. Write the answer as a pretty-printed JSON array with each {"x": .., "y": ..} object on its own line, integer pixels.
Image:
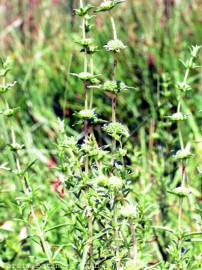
[
  {"x": 129, "y": 210},
  {"x": 115, "y": 45},
  {"x": 115, "y": 182}
]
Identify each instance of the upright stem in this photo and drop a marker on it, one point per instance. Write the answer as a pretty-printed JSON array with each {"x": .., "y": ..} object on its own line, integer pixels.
[
  {"x": 180, "y": 211},
  {"x": 113, "y": 28},
  {"x": 116, "y": 236},
  {"x": 180, "y": 135},
  {"x": 114, "y": 99},
  {"x": 113, "y": 120},
  {"x": 90, "y": 236},
  {"x": 88, "y": 105},
  {"x": 26, "y": 191},
  {"x": 134, "y": 241},
  {"x": 81, "y": 3},
  {"x": 180, "y": 216},
  {"x": 114, "y": 108},
  {"x": 40, "y": 232},
  {"x": 91, "y": 91},
  {"x": 85, "y": 83}
]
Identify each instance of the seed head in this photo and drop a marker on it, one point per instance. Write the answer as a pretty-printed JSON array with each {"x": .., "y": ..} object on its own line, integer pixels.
[
  {"x": 115, "y": 45},
  {"x": 114, "y": 86},
  {"x": 116, "y": 130},
  {"x": 87, "y": 114}
]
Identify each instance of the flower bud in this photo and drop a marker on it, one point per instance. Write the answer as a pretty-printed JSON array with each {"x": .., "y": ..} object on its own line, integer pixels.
[
  {"x": 114, "y": 86},
  {"x": 85, "y": 42},
  {"x": 10, "y": 112},
  {"x": 102, "y": 180},
  {"x": 85, "y": 76},
  {"x": 82, "y": 11},
  {"x": 116, "y": 130},
  {"x": 194, "y": 50},
  {"x": 91, "y": 49},
  {"x": 6, "y": 87},
  {"x": 183, "y": 86},
  {"x": 15, "y": 147},
  {"x": 178, "y": 116},
  {"x": 95, "y": 81},
  {"x": 122, "y": 152},
  {"x": 86, "y": 114}
]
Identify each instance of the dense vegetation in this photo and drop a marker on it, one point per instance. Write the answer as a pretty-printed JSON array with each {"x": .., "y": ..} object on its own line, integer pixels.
[{"x": 100, "y": 138}]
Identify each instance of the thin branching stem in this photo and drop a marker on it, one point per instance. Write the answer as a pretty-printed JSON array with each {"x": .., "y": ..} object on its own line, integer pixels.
[
  {"x": 179, "y": 127},
  {"x": 87, "y": 105},
  {"x": 40, "y": 233},
  {"x": 26, "y": 191},
  {"x": 134, "y": 241},
  {"x": 113, "y": 27},
  {"x": 114, "y": 103}
]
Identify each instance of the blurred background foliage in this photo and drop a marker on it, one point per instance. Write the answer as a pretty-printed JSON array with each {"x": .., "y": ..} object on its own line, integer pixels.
[{"x": 38, "y": 35}]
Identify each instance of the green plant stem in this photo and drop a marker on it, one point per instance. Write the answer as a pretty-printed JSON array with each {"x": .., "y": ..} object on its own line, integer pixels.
[
  {"x": 40, "y": 232},
  {"x": 114, "y": 99},
  {"x": 86, "y": 122},
  {"x": 98, "y": 163},
  {"x": 180, "y": 135},
  {"x": 116, "y": 238},
  {"x": 180, "y": 210},
  {"x": 84, "y": 258},
  {"x": 91, "y": 106},
  {"x": 88, "y": 104},
  {"x": 181, "y": 199},
  {"x": 113, "y": 27},
  {"x": 188, "y": 70},
  {"x": 85, "y": 88},
  {"x": 81, "y": 3},
  {"x": 92, "y": 90},
  {"x": 3, "y": 126},
  {"x": 114, "y": 102},
  {"x": 113, "y": 120},
  {"x": 25, "y": 187},
  {"x": 90, "y": 239},
  {"x": 134, "y": 241},
  {"x": 180, "y": 216}
]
